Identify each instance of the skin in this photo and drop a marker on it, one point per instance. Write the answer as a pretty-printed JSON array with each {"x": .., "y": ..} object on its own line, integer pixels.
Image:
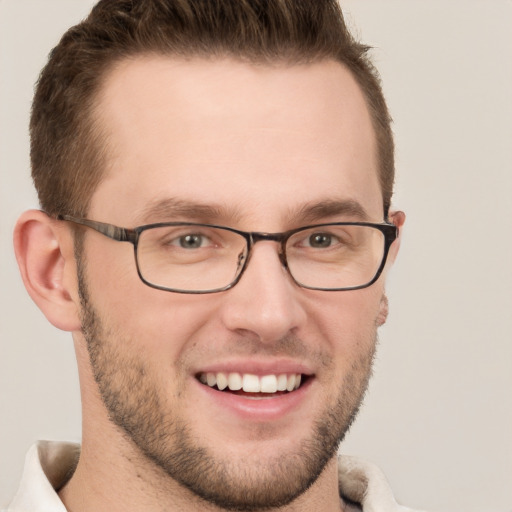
[{"x": 260, "y": 144}]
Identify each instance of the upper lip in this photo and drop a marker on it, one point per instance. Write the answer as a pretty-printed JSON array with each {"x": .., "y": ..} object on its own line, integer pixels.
[{"x": 257, "y": 367}]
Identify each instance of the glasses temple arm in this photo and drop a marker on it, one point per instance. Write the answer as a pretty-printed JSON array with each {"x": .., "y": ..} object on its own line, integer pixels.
[{"x": 108, "y": 230}]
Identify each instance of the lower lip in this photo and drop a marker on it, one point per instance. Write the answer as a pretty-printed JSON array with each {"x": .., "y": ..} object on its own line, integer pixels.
[{"x": 258, "y": 409}]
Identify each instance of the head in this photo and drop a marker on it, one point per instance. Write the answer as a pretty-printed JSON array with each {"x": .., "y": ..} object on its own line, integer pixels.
[{"x": 258, "y": 116}]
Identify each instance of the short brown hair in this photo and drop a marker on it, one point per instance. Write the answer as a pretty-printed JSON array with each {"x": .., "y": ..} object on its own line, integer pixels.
[{"x": 67, "y": 150}]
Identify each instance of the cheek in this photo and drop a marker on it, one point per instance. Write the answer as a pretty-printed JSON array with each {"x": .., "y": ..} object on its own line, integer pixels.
[
  {"x": 158, "y": 327},
  {"x": 159, "y": 323},
  {"x": 347, "y": 321}
]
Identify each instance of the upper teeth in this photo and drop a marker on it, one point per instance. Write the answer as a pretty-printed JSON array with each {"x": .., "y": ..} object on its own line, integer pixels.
[{"x": 251, "y": 383}]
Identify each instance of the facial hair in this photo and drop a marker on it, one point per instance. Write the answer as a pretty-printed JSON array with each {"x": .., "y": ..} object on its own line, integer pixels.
[{"x": 137, "y": 405}]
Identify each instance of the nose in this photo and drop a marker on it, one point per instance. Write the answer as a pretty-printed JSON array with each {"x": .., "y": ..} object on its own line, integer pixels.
[{"x": 265, "y": 303}]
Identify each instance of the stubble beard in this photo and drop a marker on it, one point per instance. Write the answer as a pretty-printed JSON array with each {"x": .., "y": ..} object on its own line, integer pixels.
[{"x": 132, "y": 399}]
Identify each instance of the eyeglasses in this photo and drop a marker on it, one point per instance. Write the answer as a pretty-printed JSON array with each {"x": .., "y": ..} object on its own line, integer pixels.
[{"x": 186, "y": 257}]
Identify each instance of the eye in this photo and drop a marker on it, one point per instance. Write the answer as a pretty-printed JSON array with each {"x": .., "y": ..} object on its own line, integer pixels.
[
  {"x": 185, "y": 238},
  {"x": 320, "y": 240},
  {"x": 323, "y": 238},
  {"x": 191, "y": 241}
]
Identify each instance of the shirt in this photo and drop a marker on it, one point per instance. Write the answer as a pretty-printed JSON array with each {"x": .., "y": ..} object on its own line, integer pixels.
[{"x": 49, "y": 465}]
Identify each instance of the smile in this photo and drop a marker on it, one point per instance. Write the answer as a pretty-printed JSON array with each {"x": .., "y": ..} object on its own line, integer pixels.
[{"x": 251, "y": 383}]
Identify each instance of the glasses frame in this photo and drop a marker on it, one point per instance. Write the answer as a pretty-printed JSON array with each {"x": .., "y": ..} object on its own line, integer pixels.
[{"x": 120, "y": 234}]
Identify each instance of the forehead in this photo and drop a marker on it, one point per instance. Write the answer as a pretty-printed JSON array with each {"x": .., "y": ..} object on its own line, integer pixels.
[{"x": 254, "y": 141}]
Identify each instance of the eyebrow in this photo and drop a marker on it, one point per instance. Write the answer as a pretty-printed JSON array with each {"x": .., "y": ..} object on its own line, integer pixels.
[
  {"x": 171, "y": 209},
  {"x": 328, "y": 208}
]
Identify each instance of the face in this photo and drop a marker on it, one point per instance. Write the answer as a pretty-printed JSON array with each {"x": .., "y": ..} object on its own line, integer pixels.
[{"x": 257, "y": 148}]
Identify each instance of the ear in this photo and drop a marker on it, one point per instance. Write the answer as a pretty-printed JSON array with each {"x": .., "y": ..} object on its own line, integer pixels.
[
  {"x": 44, "y": 251},
  {"x": 383, "y": 311},
  {"x": 398, "y": 219}
]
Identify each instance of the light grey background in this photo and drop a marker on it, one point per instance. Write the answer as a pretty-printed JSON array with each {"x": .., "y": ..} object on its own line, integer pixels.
[{"x": 438, "y": 418}]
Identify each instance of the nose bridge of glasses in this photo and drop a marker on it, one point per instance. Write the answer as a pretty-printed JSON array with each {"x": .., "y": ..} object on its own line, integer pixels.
[
  {"x": 280, "y": 238},
  {"x": 271, "y": 237}
]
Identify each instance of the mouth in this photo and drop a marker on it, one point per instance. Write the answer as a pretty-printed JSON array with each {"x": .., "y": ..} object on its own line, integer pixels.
[{"x": 253, "y": 386}]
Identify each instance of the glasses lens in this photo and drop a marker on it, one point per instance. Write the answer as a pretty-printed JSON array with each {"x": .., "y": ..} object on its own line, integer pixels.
[
  {"x": 334, "y": 256},
  {"x": 190, "y": 258}
]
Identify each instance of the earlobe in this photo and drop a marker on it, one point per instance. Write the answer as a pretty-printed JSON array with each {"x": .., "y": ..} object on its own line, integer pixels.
[{"x": 44, "y": 251}]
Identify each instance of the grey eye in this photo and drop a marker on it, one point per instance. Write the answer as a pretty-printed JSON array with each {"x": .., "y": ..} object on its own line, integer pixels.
[
  {"x": 320, "y": 240},
  {"x": 191, "y": 241}
]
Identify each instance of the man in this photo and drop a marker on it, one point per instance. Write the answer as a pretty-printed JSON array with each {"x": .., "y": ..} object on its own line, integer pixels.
[{"x": 216, "y": 180}]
